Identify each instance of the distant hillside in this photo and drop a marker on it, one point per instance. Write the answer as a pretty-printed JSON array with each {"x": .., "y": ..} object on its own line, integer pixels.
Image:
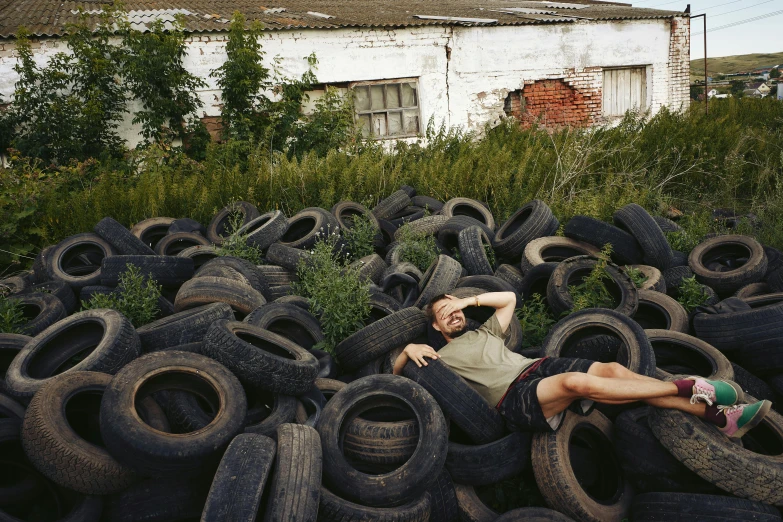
[{"x": 732, "y": 64}]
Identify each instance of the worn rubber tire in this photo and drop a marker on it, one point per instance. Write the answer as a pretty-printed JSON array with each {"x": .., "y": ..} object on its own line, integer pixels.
[
  {"x": 432, "y": 204},
  {"x": 468, "y": 207},
  {"x": 119, "y": 237},
  {"x": 332, "y": 508},
  {"x": 380, "y": 337},
  {"x": 219, "y": 225},
  {"x": 753, "y": 290},
  {"x": 638, "y": 355},
  {"x": 489, "y": 463},
  {"x": 654, "y": 279},
  {"x": 55, "y": 448},
  {"x": 732, "y": 331},
  {"x": 236, "y": 490},
  {"x": 558, "y": 481},
  {"x": 426, "y": 226},
  {"x": 471, "y": 508},
  {"x": 151, "y": 452},
  {"x": 511, "y": 275},
  {"x": 625, "y": 248},
  {"x": 472, "y": 242},
  {"x": 10, "y": 346},
  {"x": 659, "y": 311},
  {"x": 554, "y": 249},
  {"x": 110, "y": 337},
  {"x": 728, "y": 282},
  {"x": 712, "y": 456},
  {"x": 61, "y": 291},
  {"x": 531, "y": 221},
  {"x": 568, "y": 273},
  {"x": 305, "y": 227},
  {"x": 182, "y": 328},
  {"x": 448, "y": 235},
  {"x": 276, "y": 275},
  {"x": 296, "y": 483},
  {"x": 639, "y": 223},
  {"x": 443, "y": 499},
  {"x": 174, "y": 244},
  {"x": 200, "y": 254},
  {"x": 282, "y": 411},
  {"x": 290, "y": 321},
  {"x": 41, "y": 311},
  {"x": 164, "y": 270},
  {"x": 265, "y": 229},
  {"x": 687, "y": 507},
  {"x": 674, "y": 276},
  {"x": 533, "y": 515},
  {"x": 763, "y": 358},
  {"x": 461, "y": 403},
  {"x": 201, "y": 291},
  {"x": 76, "y": 260},
  {"x": 370, "y": 268},
  {"x": 286, "y": 256},
  {"x": 152, "y": 230},
  {"x": 392, "y": 204},
  {"x": 381, "y": 442},
  {"x": 160, "y": 500},
  {"x": 403, "y": 484},
  {"x": 684, "y": 351},
  {"x": 752, "y": 385},
  {"x": 261, "y": 358}
]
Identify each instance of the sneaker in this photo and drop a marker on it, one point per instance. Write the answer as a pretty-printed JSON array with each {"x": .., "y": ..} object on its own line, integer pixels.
[
  {"x": 741, "y": 418},
  {"x": 719, "y": 393}
]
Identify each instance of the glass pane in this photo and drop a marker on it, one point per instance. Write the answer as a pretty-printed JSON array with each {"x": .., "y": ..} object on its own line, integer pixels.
[
  {"x": 376, "y": 96},
  {"x": 392, "y": 96},
  {"x": 379, "y": 124},
  {"x": 411, "y": 119},
  {"x": 365, "y": 125},
  {"x": 362, "y": 98},
  {"x": 395, "y": 123},
  {"x": 408, "y": 95}
]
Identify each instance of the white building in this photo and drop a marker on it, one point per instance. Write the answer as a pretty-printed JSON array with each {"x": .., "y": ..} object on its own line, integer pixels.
[{"x": 459, "y": 63}]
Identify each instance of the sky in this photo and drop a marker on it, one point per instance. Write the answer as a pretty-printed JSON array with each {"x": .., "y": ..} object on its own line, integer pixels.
[{"x": 760, "y": 36}]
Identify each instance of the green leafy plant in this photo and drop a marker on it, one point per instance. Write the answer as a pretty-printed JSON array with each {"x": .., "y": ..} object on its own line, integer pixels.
[
  {"x": 11, "y": 315},
  {"x": 491, "y": 257},
  {"x": 691, "y": 294},
  {"x": 681, "y": 240},
  {"x": 535, "y": 319},
  {"x": 136, "y": 297},
  {"x": 361, "y": 237},
  {"x": 235, "y": 244},
  {"x": 592, "y": 292},
  {"x": 636, "y": 275},
  {"x": 417, "y": 247},
  {"x": 156, "y": 76},
  {"x": 335, "y": 292}
]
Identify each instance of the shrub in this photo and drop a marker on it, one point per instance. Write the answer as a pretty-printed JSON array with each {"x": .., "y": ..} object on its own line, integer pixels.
[
  {"x": 691, "y": 294},
  {"x": 236, "y": 245},
  {"x": 337, "y": 296},
  {"x": 636, "y": 275},
  {"x": 417, "y": 247},
  {"x": 535, "y": 319},
  {"x": 361, "y": 237},
  {"x": 592, "y": 292},
  {"x": 136, "y": 297},
  {"x": 11, "y": 315}
]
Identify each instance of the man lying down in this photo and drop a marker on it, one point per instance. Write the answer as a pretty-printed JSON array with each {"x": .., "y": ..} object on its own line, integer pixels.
[{"x": 532, "y": 394}]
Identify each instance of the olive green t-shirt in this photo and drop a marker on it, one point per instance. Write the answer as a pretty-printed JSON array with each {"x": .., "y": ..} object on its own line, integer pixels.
[{"x": 482, "y": 359}]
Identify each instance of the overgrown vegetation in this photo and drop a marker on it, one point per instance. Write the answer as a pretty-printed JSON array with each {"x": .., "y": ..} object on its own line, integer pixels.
[
  {"x": 235, "y": 243},
  {"x": 361, "y": 237},
  {"x": 136, "y": 297},
  {"x": 336, "y": 293},
  {"x": 535, "y": 319},
  {"x": 636, "y": 275},
  {"x": 416, "y": 247},
  {"x": 11, "y": 315},
  {"x": 691, "y": 294},
  {"x": 592, "y": 292},
  {"x": 731, "y": 158}
]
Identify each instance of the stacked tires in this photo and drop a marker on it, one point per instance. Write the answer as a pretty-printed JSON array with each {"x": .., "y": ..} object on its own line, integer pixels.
[{"x": 223, "y": 407}]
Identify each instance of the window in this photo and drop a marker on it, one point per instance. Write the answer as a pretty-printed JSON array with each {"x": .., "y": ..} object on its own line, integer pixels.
[
  {"x": 387, "y": 109},
  {"x": 624, "y": 89}
]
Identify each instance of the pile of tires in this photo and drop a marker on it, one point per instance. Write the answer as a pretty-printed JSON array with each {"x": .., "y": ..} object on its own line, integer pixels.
[{"x": 223, "y": 409}]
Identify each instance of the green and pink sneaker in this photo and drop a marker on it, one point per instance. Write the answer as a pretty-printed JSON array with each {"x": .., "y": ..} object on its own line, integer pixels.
[
  {"x": 719, "y": 393},
  {"x": 741, "y": 418}
]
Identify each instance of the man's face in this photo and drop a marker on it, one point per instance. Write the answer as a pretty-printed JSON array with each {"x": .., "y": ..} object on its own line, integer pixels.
[{"x": 453, "y": 325}]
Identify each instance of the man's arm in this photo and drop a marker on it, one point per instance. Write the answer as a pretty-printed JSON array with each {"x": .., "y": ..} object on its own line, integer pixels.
[
  {"x": 415, "y": 353},
  {"x": 502, "y": 302}
]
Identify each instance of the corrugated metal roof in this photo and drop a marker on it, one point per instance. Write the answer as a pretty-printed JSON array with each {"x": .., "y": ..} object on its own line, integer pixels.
[{"x": 50, "y": 17}]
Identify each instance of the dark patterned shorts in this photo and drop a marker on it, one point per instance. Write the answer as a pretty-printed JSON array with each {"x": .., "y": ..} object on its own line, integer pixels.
[{"x": 521, "y": 408}]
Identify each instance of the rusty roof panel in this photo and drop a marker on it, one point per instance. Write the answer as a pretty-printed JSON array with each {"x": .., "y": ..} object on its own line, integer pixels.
[{"x": 50, "y": 17}]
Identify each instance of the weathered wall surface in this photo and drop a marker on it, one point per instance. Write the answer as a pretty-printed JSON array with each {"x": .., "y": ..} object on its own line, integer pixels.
[{"x": 465, "y": 74}]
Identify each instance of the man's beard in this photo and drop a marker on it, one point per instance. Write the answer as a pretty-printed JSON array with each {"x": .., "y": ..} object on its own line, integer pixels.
[{"x": 457, "y": 332}]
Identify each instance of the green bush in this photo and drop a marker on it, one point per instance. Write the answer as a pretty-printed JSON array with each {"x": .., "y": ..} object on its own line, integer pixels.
[
  {"x": 361, "y": 237},
  {"x": 535, "y": 319},
  {"x": 691, "y": 294},
  {"x": 592, "y": 292},
  {"x": 11, "y": 315},
  {"x": 336, "y": 293},
  {"x": 136, "y": 297},
  {"x": 636, "y": 275},
  {"x": 416, "y": 247},
  {"x": 236, "y": 245}
]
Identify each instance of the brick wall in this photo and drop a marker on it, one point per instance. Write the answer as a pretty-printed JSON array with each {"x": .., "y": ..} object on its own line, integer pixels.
[
  {"x": 679, "y": 63},
  {"x": 572, "y": 99}
]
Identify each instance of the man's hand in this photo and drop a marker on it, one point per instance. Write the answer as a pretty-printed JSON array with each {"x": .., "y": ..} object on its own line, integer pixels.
[
  {"x": 418, "y": 352},
  {"x": 451, "y": 304}
]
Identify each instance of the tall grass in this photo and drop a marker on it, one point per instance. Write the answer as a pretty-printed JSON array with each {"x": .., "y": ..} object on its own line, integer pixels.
[{"x": 732, "y": 158}]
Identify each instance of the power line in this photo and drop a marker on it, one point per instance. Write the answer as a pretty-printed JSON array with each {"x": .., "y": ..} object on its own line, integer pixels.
[
  {"x": 719, "y": 5},
  {"x": 743, "y": 8},
  {"x": 754, "y": 19}
]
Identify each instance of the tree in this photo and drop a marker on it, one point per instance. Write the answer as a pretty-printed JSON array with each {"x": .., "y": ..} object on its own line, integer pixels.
[
  {"x": 156, "y": 76},
  {"x": 737, "y": 88},
  {"x": 697, "y": 91},
  {"x": 774, "y": 73}
]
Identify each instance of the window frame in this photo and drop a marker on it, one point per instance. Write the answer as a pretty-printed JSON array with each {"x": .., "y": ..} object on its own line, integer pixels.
[
  {"x": 396, "y": 81},
  {"x": 645, "y": 88}
]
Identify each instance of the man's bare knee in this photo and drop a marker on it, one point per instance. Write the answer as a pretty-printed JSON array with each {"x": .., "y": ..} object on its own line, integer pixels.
[
  {"x": 611, "y": 370},
  {"x": 576, "y": 384}
]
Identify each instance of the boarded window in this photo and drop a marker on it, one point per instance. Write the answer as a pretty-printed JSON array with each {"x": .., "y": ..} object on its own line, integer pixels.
[
  {"x": 624, "y": 89},
  {"x": 388, "y": 109}
]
